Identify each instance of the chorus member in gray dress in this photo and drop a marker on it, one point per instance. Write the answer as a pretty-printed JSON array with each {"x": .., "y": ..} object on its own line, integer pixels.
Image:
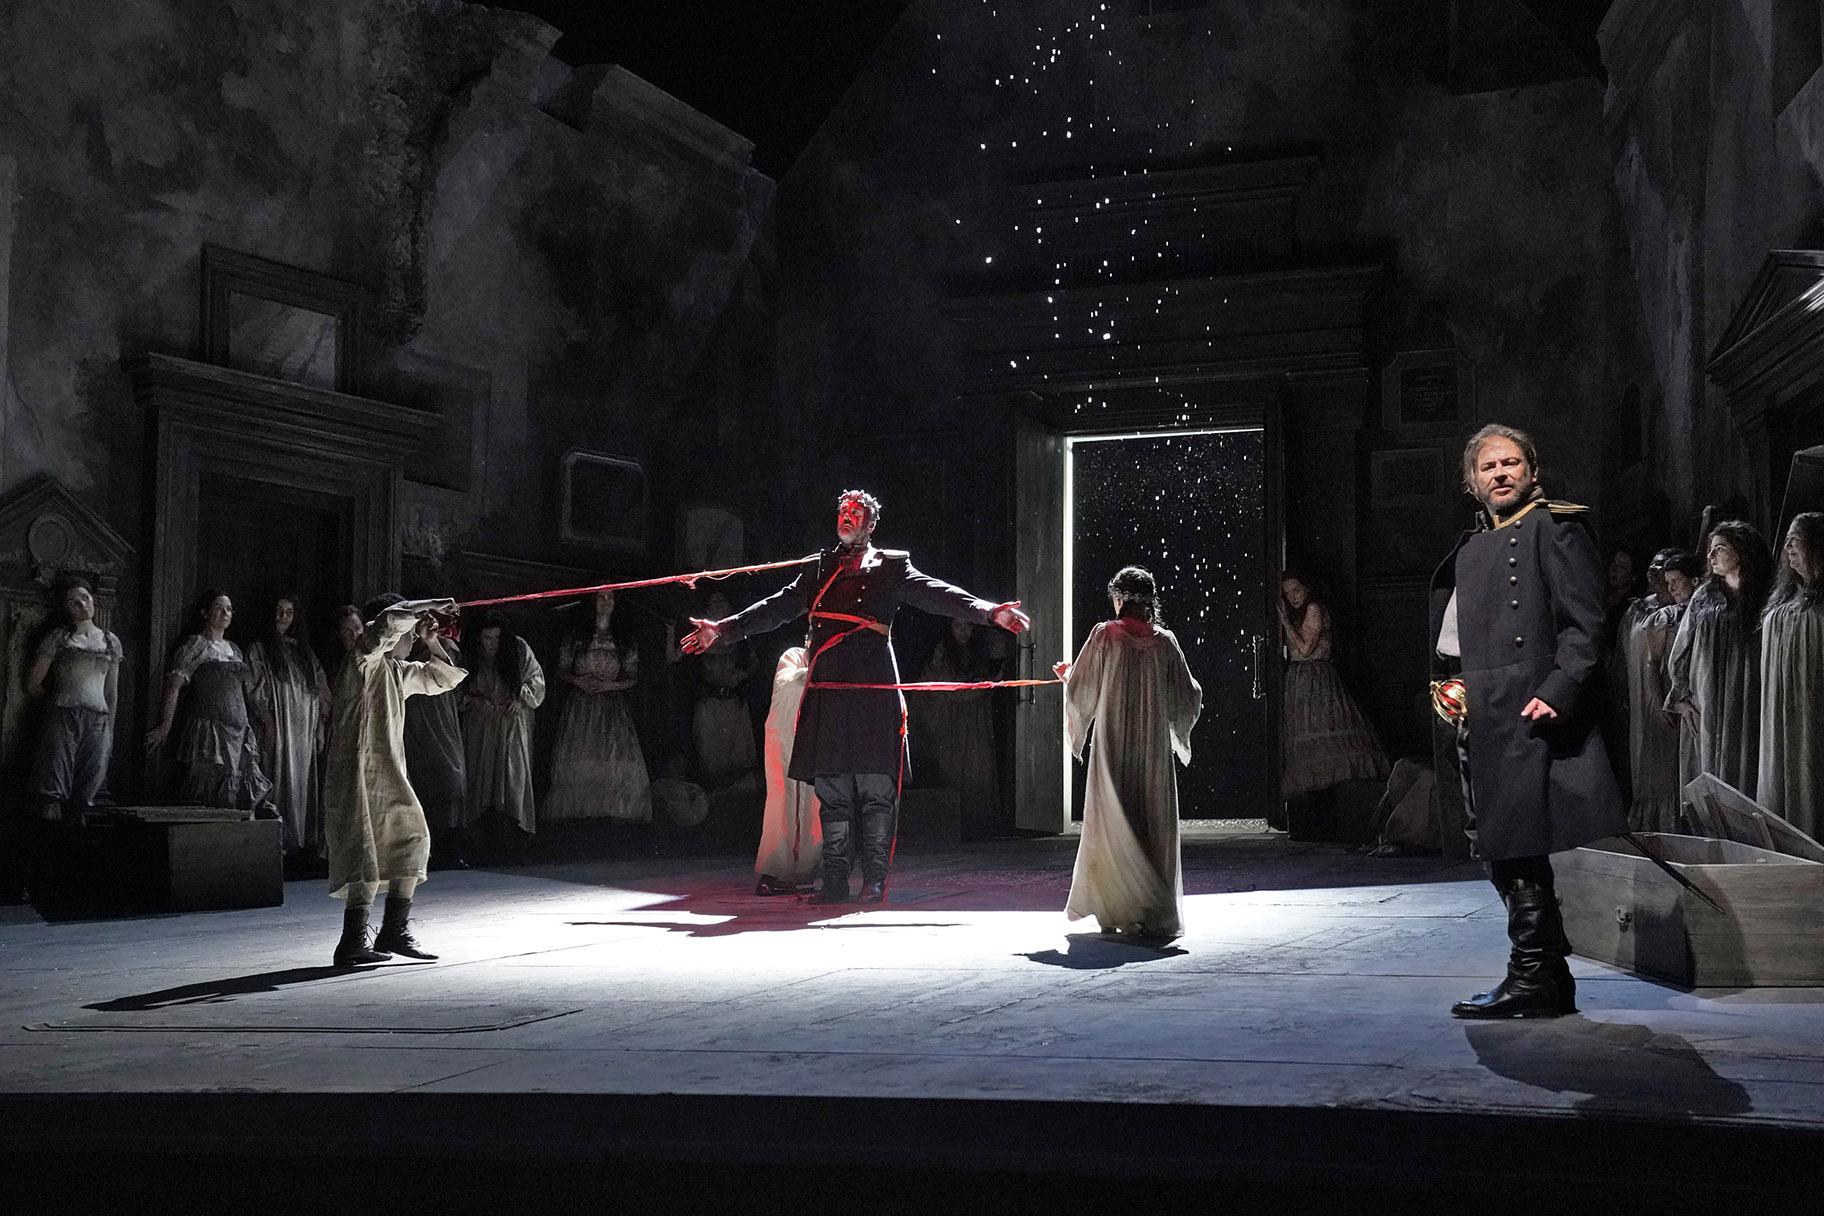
[
  {"x": 1714, "y": 669},
  {"x": 505, "y": 685},
  {"x": 434, "y": 761},
  {"x": 1657, "y": 739},
  {"x": 217, "y": 747},
  {"x": 291, "y": 718},
  {"x": 1790, "y": 781},
  {"x": 597, "y": 768},
  {"x": 78, "y": 665}
]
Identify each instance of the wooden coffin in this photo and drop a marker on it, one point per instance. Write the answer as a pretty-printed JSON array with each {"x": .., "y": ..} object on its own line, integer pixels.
[
  {"x": 1768, "y": 876},
  {"x": 121, "y": 863}
]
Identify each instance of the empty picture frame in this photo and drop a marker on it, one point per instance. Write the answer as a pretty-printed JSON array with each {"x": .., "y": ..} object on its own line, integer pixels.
[
  {"x": 1427, "y": 394},
  {"x": 604, "y": 501},
  {"x": 283, "y": 322}
]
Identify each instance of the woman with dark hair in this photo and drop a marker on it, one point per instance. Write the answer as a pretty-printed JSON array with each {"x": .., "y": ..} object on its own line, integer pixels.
[
  {"x": 218, "y": 748},
  {"x": 78, "y": 664},
  {"x": 291, "y": 704},
  {"x": 1713, "y": 672},
  {"x": 345, "y": 636},
  {"x": 1329, "y": 740},
  {"x": 1654, "y": 746},
  {"x": 597, "y": 768},
  {"x": 505, "y": 685},
  {"x": 1791, "y": 778},
  {"x": 1131, "y": 683}
]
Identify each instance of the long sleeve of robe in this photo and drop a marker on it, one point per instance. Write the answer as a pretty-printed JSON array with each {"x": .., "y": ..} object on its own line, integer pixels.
[
  {"x": 1790, "y": 781},
  {"x": 1137, "y": 693},
  {"x": 373, "y": 822},
  {"x": 791, "y": 834}
]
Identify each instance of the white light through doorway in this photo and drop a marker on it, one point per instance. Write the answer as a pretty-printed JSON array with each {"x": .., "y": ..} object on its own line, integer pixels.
[{"x": 1069, "y": 574}]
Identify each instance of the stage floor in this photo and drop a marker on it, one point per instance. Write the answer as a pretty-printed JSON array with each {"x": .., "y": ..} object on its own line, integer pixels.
[{"x": 1310, "y": 979}]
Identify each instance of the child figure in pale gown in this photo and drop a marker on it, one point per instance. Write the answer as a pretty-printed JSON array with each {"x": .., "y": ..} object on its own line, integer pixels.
[{"x": 1131, "y": 683}]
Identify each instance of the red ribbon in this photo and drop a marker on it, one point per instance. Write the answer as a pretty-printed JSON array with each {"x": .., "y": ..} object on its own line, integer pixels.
[
  {"x": 941, "y": 685},
  {"x": 689, "y": 580}
]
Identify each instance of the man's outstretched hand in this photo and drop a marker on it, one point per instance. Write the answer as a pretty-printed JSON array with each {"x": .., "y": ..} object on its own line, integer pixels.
[
  {"x": 1009, "y": 617},
  {"x": 702, "y": 637}
]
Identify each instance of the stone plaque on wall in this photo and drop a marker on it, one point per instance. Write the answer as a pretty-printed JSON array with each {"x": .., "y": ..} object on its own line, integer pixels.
[
  {"x": 1427, "y": 394},
  {"x": 604, "y": 501}
]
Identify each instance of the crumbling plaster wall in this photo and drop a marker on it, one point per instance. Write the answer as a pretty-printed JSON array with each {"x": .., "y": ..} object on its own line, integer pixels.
[{"x": 572, "y": 238}]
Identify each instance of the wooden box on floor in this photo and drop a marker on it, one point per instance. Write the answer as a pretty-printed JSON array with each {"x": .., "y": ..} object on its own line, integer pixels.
[
  {"x": 1766, "y": 874},
  {"x": 160, "y": 859}
]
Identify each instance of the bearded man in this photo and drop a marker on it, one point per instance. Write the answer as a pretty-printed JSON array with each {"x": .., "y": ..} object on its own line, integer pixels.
[{"x": 1516, "y": 618}]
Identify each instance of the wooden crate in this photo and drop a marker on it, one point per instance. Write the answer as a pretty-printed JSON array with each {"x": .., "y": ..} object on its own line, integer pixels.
[
  {"x": 121, "y": 864},
  {"x": 1621, "y": 909}
]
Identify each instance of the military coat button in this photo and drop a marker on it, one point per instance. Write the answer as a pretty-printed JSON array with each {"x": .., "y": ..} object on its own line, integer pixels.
[
  {"x": 1513, "y": 540},
  {"x": 1519, "y": 641},
  {"x": 1513, "y": 561},
  {"x": 1516, "y": 603},
  {"x": 1513, "y": 580}
]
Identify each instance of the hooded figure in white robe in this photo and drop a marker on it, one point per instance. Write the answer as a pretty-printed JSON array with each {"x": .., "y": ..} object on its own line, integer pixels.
[{"x": 1132, "y": 685}]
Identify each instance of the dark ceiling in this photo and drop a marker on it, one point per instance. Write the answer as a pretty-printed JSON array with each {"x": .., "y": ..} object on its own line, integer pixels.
[{"x": 768, "y": 71}]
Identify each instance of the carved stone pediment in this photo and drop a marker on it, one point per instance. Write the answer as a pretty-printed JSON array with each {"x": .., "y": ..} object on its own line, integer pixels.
[
  {"x": 46, "y": 531},
  {"x": 1786, "y": 288}
]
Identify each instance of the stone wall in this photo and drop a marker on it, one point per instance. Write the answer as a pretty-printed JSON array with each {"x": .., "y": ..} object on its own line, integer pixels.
[
  {"x": 554, "y": 255},
  {"x": 1494, "y": 214},
  {"x": 1715, "y": 119}
]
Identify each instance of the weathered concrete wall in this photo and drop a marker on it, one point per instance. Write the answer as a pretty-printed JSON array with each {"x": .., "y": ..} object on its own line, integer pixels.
[
  {"x": 1714, "y": 172},
  {"x": 568, "y": 241}
]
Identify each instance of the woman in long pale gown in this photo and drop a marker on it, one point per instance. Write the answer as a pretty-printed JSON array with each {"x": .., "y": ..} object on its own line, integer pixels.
[
  {"x": 1713, "y": 672},
  {"x": 597, "y": 768},
  {"x": 1791, "y": 777},
  {"x": 217, "y": 748},
  {"x": 1657, "y": 740},
  {"x": 791, "y": 829},
  {"x": 1131, "y": 684},
  {"x": 504, "y": 687},
  {"x": 291, "y": 716}
]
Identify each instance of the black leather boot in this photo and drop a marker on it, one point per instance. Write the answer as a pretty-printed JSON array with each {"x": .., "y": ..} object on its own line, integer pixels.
[
  {"x": 353, "y": 950},
  {"x": 836, "y": 833},
  {"x": 874, "y": 849},
  {"x": 395, "y": 931},
  {"x": 1538, "y": 983}
]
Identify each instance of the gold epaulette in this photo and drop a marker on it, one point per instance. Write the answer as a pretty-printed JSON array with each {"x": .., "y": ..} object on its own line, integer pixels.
[{"x": 1557, "y": 507}]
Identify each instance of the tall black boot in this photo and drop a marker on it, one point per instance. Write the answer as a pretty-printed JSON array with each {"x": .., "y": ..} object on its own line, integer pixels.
[
  {"x": 1538, "y": 983},
  {"x": 836, "y": 833},
  {"x": 396, "y": 933},
  {"x": 353, "y": 950},
  {"x": 873, "y": 850}
]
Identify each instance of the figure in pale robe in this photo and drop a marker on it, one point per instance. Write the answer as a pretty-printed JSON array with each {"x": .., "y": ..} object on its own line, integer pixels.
[
  {"x": 1791, "y": 772},
  {"x": 1713, "y": 671},
  {"x": 1656, "y": 737},
  {"x": 374, "y": 826},
  {"x": 497, "y": 709},
  {"x": 1131, "y": 685},
  {"x": 791, "y": 831},
  {"x": 291, "y": 716}
]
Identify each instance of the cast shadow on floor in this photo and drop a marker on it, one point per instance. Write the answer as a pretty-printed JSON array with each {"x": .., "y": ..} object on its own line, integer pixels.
[
  {"x": 210, "y": 991},
  {"x": 1096, "y": 952},
  {"x": 1624, "y": 1068}
]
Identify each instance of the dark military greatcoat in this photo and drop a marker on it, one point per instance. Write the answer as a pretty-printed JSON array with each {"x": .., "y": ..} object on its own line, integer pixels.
[
  {"x": 850, "y": 730},
  {"x": 1529, "y": 614}
]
